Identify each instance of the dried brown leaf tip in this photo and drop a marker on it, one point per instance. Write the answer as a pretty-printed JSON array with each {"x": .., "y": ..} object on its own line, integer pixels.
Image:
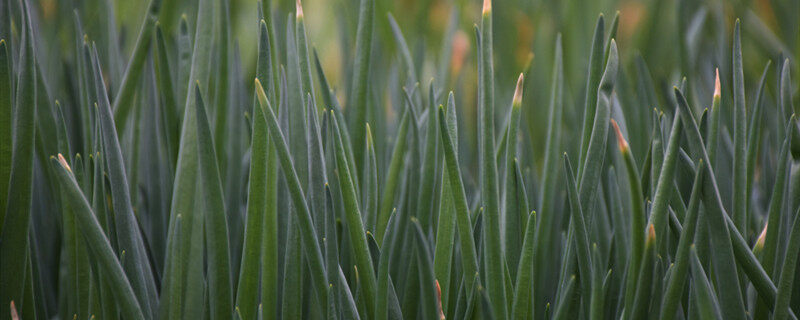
[
  {"x": 63, "y": 162},
  {"x": 14, "y": 315},
  {"x": 717, "y": 87},
  {"x": 487, "y": 6},
  {"x": 439, "y": 300},
  {"x": 517, "y": 101},
  {"x": 621, "y": 142},
  {"x": 651, "y": 235}
]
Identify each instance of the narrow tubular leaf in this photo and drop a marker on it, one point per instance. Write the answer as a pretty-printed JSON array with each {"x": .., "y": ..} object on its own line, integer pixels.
[
  {"x": 392, "y": 176},
  {"x": 545, "y": 242},
  {"x": 637, "y": 218},
  {"x": 592, "y": 83},
  {"x": 563, "y": 307},
  {"x": 521, "y": 307},
  {"x": 776, "y": 205},
  {"x": 194, "y": 65},
  {"x": 219, "y": 266},
  {"x": 428, "y": 170},
  {"x": 493, "y": 252},
  {"x": 704, "y": 296},
  {"x": 6, "y": 118},
  {"x": 430, "y": 309},
  {"x": 643, "y": 286},
  {"x": 302, "y": 53},
  {"x": 303, "y": 216},
  {"x": 16, "y": 221},
  {"x": 247, "y": 290},
  {"x": 515, "y": 201},
  {"x": 97, "y": 241},
  {"x": 446, "y": 229},
  {"x": 677, "y": 278},
  {"x": 355, "y": 225},
  {"x": 269, "y": 241},
  {"x": 384, "y": 281},
  {"x": 788, "y": 273},
  {"x": 739, "y": 137},
  {"x": 658, "y": 212},
  {"x": 469, "y": 260},
  {"x": 128, "y": 236},
  {"x": 123, "y": 100},
  {"x": 358, "y": 96},
  {"x": 726, "y": 275},
  {"x": 581, "y": 234}
]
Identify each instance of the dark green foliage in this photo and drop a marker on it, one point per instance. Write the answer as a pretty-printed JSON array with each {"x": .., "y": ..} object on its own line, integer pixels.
[{"x": 171, "y": 159}]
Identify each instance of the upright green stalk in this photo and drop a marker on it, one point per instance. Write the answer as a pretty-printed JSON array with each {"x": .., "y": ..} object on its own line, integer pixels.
[
  {"x": 302, "y": 52},
  {"x": 311, "y": 245},
  {"x": 592, "y": 83},
  {"x": 247, "y": 290},
  {"x": 358, "y": 97},
  {"x": 393, "y": 175},
  {"x": 493, "y": 250},
  {"x": 6, "y": 118},
  {"x": 269, "y": 240},
  {"x": 96, "y": 241},
  {"x": 515, "y": 203},
  {"x": 659, "y": 211},
  {"x": 643, "y": 285},
  {"x": 706, "y": 303},
  {"x": 637, "y": 238},
  {"x": 726, "y": 274},
  {"x": 15, "y": 225},
  {"x": 129, "y": 239},
  {"x": 788, "y": 273},
  {"x": 521, "y": 307},
  {"x": 184, "y": 191},
  {"x": 446, "y": 229},
  {"x": 123, "y": 100},
  {"x": 677, "y": 278},
  {"x": 219, "y": 265},
  {"x": 355, "y": 225},
  {"x": 545, "y": 243},
  {"x": 580, "y": 232},
  {"x": 739, "y": 137},
  {"x": 469, "y": 260}
]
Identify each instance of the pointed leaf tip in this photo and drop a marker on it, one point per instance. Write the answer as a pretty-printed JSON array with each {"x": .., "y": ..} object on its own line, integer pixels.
[
  {"x": 717, "y": 87},
  {"x": 621, "y": 142},
  {"x": 651, "y": 235},
  {"x": 487, "y": 6},
  {"x": 518, "y": 91},
  {"x": 63, "y": 162},
  {"x": 439, "y": 300},
  {"x": 299, "y": 8},
  {"x": 14, "y": 315},
  {"x": 761, "y": 238}
]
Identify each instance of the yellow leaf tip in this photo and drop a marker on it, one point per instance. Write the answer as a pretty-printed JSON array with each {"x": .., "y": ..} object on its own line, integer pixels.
[
  {"x": 518, "y": 91},
  {"x": 761, "y": 237},
  {"x": 487, "y": 6},
  {"x": 63, "y": 162}
]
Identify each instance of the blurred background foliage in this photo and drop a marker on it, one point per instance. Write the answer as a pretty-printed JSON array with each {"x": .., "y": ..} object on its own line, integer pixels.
[{"x": 668, "y": 35}]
